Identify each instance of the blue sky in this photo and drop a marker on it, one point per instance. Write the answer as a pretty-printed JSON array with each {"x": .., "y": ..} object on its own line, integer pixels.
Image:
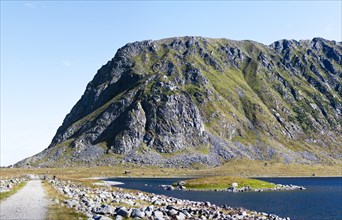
[{"x": 51, "y": 50}]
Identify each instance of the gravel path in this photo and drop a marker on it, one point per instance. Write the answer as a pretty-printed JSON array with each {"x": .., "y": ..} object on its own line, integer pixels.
[{"x": 29, "y": 203}]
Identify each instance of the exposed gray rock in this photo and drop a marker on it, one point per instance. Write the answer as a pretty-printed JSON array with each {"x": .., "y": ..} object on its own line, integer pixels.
[
  {"x": 191, "y": 100},
  {"x": 158, "y": 215},
  {"x": 71, "y": 203},
  {"x": 102, "y": 217},
  {"x": 123, "y": 212},
  {"x": 180, "y": 216},
  {"x": 137, "y": 213},
  {"x": 107, "y": 209}
]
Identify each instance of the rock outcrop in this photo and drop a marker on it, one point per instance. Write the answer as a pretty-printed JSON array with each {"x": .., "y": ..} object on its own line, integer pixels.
[{"x": 193, "y": 100}]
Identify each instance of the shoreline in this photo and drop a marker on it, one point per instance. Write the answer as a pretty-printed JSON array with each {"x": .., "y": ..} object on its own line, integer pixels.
[
  {"x": 105, "y": 182},
  {"x": 102, "y": 203},
  {"x": 197, "y": 176},
  {"x": 242, "y": 168}
]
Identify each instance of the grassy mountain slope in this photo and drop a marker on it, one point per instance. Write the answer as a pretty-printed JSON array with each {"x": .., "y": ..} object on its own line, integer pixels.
[{"x": 193, "y": 101}]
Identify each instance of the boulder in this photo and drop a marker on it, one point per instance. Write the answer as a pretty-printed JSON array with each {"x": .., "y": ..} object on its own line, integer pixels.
[
  {"x": 148, "y": 211},
  {"x": 102, "y": 217},
  {"x": 123, "y": 212},
  {"x": 118, "y": 217},
  {"x": 108, "y": 209},
  {"x": 186, "y": 213},
  {"x": 234, "y": 185},
  {"x": 66, "y": 190},
  {"x": 137, "y": 213},
  {"x": 172, "y": 212},
  {"x": 157, "y": 202},
  {"x": 71, "y": 203},
  {"x": 158, "y": 215},
  {"x": 181, "y": 216}
]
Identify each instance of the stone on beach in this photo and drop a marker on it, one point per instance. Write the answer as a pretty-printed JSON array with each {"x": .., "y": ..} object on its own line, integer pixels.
[{"x": 234, "y": 185}]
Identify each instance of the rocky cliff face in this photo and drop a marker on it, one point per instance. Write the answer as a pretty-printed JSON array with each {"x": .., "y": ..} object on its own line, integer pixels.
[{"x": 192, "y": 100}]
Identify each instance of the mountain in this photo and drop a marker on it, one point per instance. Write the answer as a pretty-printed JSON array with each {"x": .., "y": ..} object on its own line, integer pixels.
[{"x": 180, "y": 102}]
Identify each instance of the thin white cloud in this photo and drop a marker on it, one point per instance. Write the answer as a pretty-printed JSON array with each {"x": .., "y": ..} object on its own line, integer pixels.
[
  {"x": 289, "y": 25},
  {"x": 29, "y": 5},
  {"x": 34, "y": 5},
  {"x": 66, "y": 63}
]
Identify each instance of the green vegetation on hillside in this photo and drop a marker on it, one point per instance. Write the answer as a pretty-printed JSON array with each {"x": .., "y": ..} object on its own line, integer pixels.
[{"x": 199, "y": 102}]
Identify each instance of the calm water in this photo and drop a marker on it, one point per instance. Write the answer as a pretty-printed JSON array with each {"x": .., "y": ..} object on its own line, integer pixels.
[{"x": 322, "y": 198}]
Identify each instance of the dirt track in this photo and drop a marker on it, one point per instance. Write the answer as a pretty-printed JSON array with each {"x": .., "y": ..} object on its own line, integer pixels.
[{"x": 29, "y": 203}]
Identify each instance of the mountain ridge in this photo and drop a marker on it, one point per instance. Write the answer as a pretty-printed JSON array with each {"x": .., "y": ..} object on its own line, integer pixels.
[{"x": 193, "y": 100}]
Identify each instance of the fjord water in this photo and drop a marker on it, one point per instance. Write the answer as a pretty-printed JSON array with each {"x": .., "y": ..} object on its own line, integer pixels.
[{"x": 322, "y": 198}]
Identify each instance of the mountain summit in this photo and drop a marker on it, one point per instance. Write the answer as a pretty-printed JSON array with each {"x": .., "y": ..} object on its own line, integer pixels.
[{"x": 184, "y": 101}]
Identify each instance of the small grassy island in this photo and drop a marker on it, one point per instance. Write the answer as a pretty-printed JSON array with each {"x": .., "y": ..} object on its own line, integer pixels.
[
  {"x": 229, "y": 183},
  {"x": 224, "y": 182}
]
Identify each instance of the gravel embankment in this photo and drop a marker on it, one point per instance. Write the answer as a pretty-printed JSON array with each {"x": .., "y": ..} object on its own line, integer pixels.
[
  {"x": 107, "y": 203},
  {"x": 29, "y": 203},
  {"x": 7, "y": 184}
]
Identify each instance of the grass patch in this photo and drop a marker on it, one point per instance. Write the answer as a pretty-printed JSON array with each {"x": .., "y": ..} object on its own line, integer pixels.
[
  {"x": 14, "y": 190},
  {"x": 57, "y": 211},
  {"x": 224, "y": 182},
  {"x": 236, "y": 167}
]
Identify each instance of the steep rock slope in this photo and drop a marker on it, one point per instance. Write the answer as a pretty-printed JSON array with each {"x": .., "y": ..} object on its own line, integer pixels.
[{"x": 192, "y": 100}]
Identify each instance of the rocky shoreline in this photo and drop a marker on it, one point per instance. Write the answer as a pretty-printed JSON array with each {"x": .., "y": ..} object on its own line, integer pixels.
[
  {"x": 104, "y": 203},
  {"x": 234, "y": 188}
]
